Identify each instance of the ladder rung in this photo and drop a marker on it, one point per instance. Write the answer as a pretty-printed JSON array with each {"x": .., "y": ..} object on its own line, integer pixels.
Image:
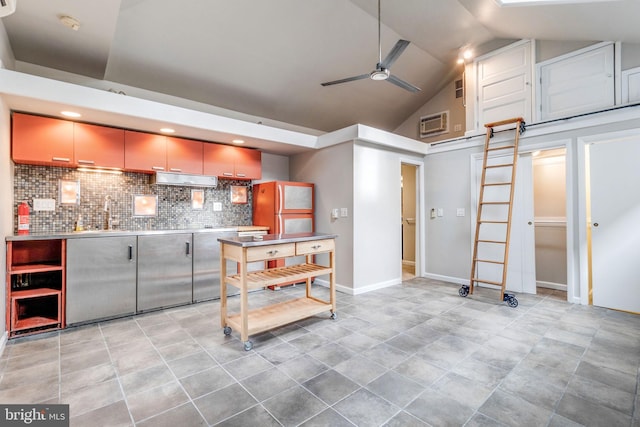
[
  {"x": 494, "y": 203},
  {"x": 496, "y": 183},
  {"x": 492, "y": 222},
  {"x": 504, "y": 122},
  {"x": 490, "y": 261},
  {"x": 486, "y": 281},
  {"x": 502, "y": 147},
  {"x": 492, "y": 241},
  {"x": 503, "y": 165}
]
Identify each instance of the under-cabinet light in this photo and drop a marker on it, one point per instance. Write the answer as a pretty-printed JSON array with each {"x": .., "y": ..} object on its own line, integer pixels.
[
  {"x": 97, "y": 170},
  {"x": 70, "y": 114},
  {"x": 238, "y": 141},
  {"x": 167, "y": 130}
]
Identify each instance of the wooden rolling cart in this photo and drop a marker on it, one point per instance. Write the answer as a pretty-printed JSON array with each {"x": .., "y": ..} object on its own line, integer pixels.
[{"x": 244, "y": 250}]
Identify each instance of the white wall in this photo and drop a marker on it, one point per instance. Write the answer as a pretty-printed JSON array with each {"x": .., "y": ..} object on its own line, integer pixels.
[
  {"x": 274, "y": 168},
  {"x": 6, "y": 208},
  {"x": 331, "y": 170}
]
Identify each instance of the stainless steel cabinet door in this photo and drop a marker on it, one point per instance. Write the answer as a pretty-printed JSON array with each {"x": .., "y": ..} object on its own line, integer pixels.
[
  {"x": 164, "y": 270},
  {"x": 101, "y": 278},
  {"x": 206, "y": 265}
]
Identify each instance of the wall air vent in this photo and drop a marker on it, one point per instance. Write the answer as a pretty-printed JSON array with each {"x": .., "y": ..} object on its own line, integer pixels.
[
  {"x": 435, "y": 124},
  {"x": 7, "y": 7}
]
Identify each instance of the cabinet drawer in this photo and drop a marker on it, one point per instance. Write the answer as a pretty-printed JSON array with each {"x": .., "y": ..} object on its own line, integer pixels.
[
  {"x": 270, "y": 252},
  {"x": 315, "y": 246}
]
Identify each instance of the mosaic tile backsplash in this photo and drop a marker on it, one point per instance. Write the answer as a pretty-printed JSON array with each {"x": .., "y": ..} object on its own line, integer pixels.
[{"x": 175, "y": 211}]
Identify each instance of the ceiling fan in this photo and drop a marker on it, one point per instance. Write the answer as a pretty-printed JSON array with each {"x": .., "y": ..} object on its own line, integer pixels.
[{"x": 382, "y": 71}]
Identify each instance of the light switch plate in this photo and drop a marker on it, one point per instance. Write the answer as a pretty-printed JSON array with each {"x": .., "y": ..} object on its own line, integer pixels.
[
  {"x": 334, "y": 213},
  {"x": 44, "y": 204},
  {"x": 440, "y": 212},
  {"x": 344, "y": 212},
  {"x": 217, "y": 207}
]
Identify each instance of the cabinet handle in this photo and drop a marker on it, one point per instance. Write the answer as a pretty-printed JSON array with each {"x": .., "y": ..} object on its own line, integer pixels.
[
  {"x": 227, "y": 174},
  {"x": 175, "y": 170},
  {"x": 130, "y": 252},
  {"x": 315, "y": 247},
  {"x": 157, "y": 168},
  {"x": 272, "y": 252},
  {"x": 241, "y": 175},
  {"x": 188, "y": 248},
  {"x": 86, "y": 162},
  {"x": 60, "y": 159}
]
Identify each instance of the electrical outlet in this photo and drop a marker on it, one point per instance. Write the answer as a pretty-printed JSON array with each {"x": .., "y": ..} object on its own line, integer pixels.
[
  {"x": 457, "y": 127},
  {"x": 460, "y": 212},
  {"x": 344, "y": 212},
  {"x": 217, "y": 207}
]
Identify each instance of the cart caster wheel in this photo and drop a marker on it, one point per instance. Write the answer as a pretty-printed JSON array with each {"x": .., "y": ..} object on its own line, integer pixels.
[
  {"x": 463, "y": 291},
  {"x": 513, "y": 302},
  {"x": 227, "y": 330},
  {"x": 248, "y": 345},
  {"x": 334, "y": 316}
]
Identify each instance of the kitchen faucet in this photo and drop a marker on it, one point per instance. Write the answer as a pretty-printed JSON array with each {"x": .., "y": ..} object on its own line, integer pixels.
[{"x": 107, "y": 213}]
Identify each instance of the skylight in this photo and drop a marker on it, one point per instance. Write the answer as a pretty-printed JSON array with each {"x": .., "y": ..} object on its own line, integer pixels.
[{"x": 544, "y": 2}]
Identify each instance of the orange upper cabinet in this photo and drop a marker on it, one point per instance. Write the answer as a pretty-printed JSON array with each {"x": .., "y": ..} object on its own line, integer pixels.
[
  {"x": 144, "y": 152},
  {"x": 184, "y": 155},
  {"x": 248, "y": 164},
  {"x": 42, "y": 140},
  {"x": 227, "y": 161},
  {"x": 98, "y": 146}
]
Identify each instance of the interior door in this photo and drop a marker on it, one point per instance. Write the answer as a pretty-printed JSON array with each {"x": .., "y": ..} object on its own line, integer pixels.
[
  {"x": 521, "y": 275},
  {"x": 615, "y": 215}
]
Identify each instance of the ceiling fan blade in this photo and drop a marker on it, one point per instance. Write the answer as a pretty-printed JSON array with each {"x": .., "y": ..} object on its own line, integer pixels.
[
  {"x": 348, "y": 79},
  {"x": 404, "y": 85},
  {"x": 397, "y": 50}
]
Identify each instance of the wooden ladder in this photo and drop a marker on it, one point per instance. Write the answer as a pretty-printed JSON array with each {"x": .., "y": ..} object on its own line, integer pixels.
[{"x": 501, "y": 223}]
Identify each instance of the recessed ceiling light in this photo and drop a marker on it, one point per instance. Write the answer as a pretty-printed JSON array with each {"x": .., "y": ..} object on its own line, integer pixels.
[
  {"x": 70, "y": 114},
  {"x": 544, "y": 2},
  {"x": 238, "y": 141},
  {"x": 167, "y": 130}
]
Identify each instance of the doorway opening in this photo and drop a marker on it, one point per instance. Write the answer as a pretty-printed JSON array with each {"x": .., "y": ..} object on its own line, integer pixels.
[
  {"x": 408, "y": 197},
  {"x": 550, "y": 219}
]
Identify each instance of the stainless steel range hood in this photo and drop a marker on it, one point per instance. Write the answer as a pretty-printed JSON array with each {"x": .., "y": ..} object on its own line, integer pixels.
[{"x": 184, "y": 179}]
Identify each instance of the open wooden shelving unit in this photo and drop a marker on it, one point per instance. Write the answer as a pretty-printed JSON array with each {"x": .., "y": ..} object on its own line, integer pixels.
[
  {"x": 250, "y": 322},
  {"x": 35, "y": 286}
]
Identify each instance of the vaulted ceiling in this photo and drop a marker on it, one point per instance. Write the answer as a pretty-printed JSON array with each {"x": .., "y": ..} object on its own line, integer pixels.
[{"x": 268, "y": 58}]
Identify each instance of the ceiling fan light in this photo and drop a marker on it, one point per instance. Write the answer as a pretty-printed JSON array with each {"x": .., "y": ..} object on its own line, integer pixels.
[{"x": 381, "y": 74}]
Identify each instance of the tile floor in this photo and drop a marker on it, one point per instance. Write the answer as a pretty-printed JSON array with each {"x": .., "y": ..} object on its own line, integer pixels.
[{"x": 416, "y": 354}]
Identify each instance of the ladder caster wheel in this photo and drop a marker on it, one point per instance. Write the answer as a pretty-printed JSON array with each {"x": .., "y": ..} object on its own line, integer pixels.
[
  {"x": 248, "y": 345},
  {"x": 334, "y": 316},
  {"x": 513, "y": 302},
  {"x": 463, "y": 291},
  {"x": 227, "y": 330}
]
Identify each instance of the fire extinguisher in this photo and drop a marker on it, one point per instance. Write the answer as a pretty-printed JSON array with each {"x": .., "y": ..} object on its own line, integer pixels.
[{"x": 23, "y": 218}]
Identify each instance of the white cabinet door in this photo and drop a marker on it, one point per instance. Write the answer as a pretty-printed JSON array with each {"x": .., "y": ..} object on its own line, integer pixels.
[
  {"x": 521, "y": 275},
  {"x": 577, "y": 83},
  {"x": 631, "y": 85},
  {"x": 504, "y": 85},
  {"x": 615, "y": 215}
]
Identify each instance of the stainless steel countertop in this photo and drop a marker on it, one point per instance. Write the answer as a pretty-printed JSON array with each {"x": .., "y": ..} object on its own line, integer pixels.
[
  {"x": 107, "y": 233},
  {"x": 273, "y": 239}
]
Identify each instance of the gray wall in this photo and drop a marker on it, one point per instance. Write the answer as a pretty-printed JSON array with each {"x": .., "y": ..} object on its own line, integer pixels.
[{"x": 331, "y": 170}]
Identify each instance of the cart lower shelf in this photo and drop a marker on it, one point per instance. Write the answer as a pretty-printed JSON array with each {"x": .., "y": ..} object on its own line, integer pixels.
[
  {"x": 276, "y": 276},
  {"x": 276, "y": 315}
]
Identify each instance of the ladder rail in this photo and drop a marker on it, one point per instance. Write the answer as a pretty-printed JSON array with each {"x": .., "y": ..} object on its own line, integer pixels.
[{"x": 473, "y": 278}]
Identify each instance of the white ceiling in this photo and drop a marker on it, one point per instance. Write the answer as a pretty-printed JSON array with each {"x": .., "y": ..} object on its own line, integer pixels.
[{"x": 268, "y": 58}]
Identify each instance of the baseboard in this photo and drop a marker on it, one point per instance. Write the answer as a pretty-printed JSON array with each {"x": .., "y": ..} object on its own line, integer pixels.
[
  {"x": 450, "y": 279},
  {"x": 361, "y": 290},
  {"x": 551, "y": 285}
]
